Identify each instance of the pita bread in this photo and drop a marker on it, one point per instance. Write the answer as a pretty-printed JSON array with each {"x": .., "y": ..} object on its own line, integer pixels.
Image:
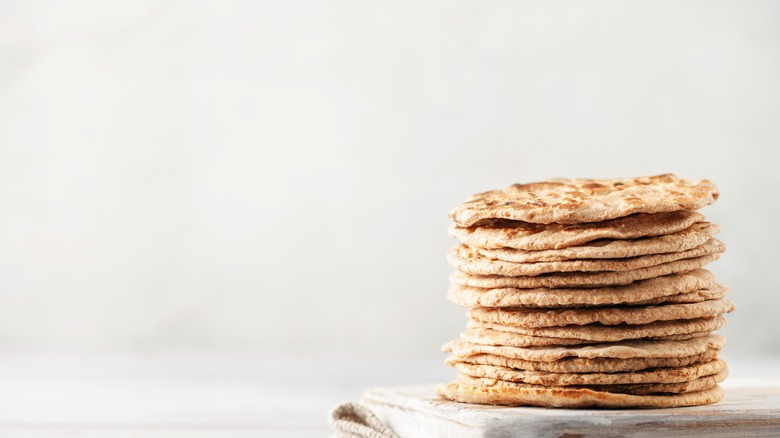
[
  {"x": 571, "y": 201},
  {"x": 692, "y": 237},
  {"x": 538, "y": 237},
  {"x": 486, "y": 336},
  {"x": 471, "y": 297},
  {"x": 619, "y": 350},
  {"x": 562, "y": 397},
  {"x": 695, "y": 385},
  {"x": 611, "y": 333},
  {"x": 717, "y": 292},
  {"x": 515, "y": 340},
  {"x": 690, "y": 287},
  {"x": 601, "y": 315},
  {"x": 579, "y": 365},
  {"x": 657, "y": 375},
  {"x": 589, "y": 279},
  {"x": 588, "y": 293},
  {"x": 468, "y": 260}
]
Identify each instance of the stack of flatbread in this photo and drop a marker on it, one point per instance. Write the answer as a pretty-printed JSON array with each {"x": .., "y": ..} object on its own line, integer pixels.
[{"x": 588, "y": 293}]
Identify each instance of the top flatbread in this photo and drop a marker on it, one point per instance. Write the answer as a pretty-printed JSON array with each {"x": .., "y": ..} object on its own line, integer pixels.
[
  {"x": 537, "y": 237},
  {"x": 571, "y": 201}
]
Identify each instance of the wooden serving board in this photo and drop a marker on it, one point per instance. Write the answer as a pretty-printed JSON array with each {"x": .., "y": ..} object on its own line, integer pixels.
[{"x": 416, "y": 412}]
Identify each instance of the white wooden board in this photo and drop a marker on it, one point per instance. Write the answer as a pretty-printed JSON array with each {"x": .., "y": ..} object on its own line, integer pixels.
[{"x": 416, "y": 412}]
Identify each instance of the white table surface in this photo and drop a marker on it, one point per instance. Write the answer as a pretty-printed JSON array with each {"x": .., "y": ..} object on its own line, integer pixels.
[{"x": 211, "y": 394}]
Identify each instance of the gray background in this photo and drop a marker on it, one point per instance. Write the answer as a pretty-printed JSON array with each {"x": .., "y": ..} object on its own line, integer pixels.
[{"x": 277, "y": 175}]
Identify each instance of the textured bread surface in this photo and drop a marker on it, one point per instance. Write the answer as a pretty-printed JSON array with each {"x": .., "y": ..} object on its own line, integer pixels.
[
  {"x": 617, "y": 350},
  {"x": 467, "y": 259},
  {"x": 537, "y": 237},
  {"x": 580, "y": 365},
  {"x": 692, "y": 237},
  {"x": 571, "y": 201},
  {"x": 612, "y": 333},
  {"x": 602, "y": 315},
  {"x": 655, "y": 375},
  {"x": 487, "y": 336},
  {"x": 694, "y": 385},
  {"x": 685, "y": 287},
  {"x": 563, "y": 397}
]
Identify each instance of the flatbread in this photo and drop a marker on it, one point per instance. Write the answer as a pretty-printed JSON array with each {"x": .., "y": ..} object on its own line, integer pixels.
[
  {"x": 575, "y": 279},
  {"x": 571, "y": 201},
  {"x": 471, "y": 297},
  {"x": 620, "y": 350},
  {"x": 656, "y": 375},
  {"x": 611, "y": 333},
  {"x": 695, "y": 385},
  {"x": 689, "y": 287},
  {"x": 700, "y": 384},
  {"x": 516, "y": 340},
  {"x": 579, "y": 365},
  {"x": 563, "y": 397},
  {"x": 468, "y": 260},
  {"x": 692, "y": 237},
  {"x": 717, "y": 292},
  {"x": 601, "y": 315},
  {"x": 537, "y": 237},
  {"x": 486, "y": 336},
  {"x": 543, "y": 297}
]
